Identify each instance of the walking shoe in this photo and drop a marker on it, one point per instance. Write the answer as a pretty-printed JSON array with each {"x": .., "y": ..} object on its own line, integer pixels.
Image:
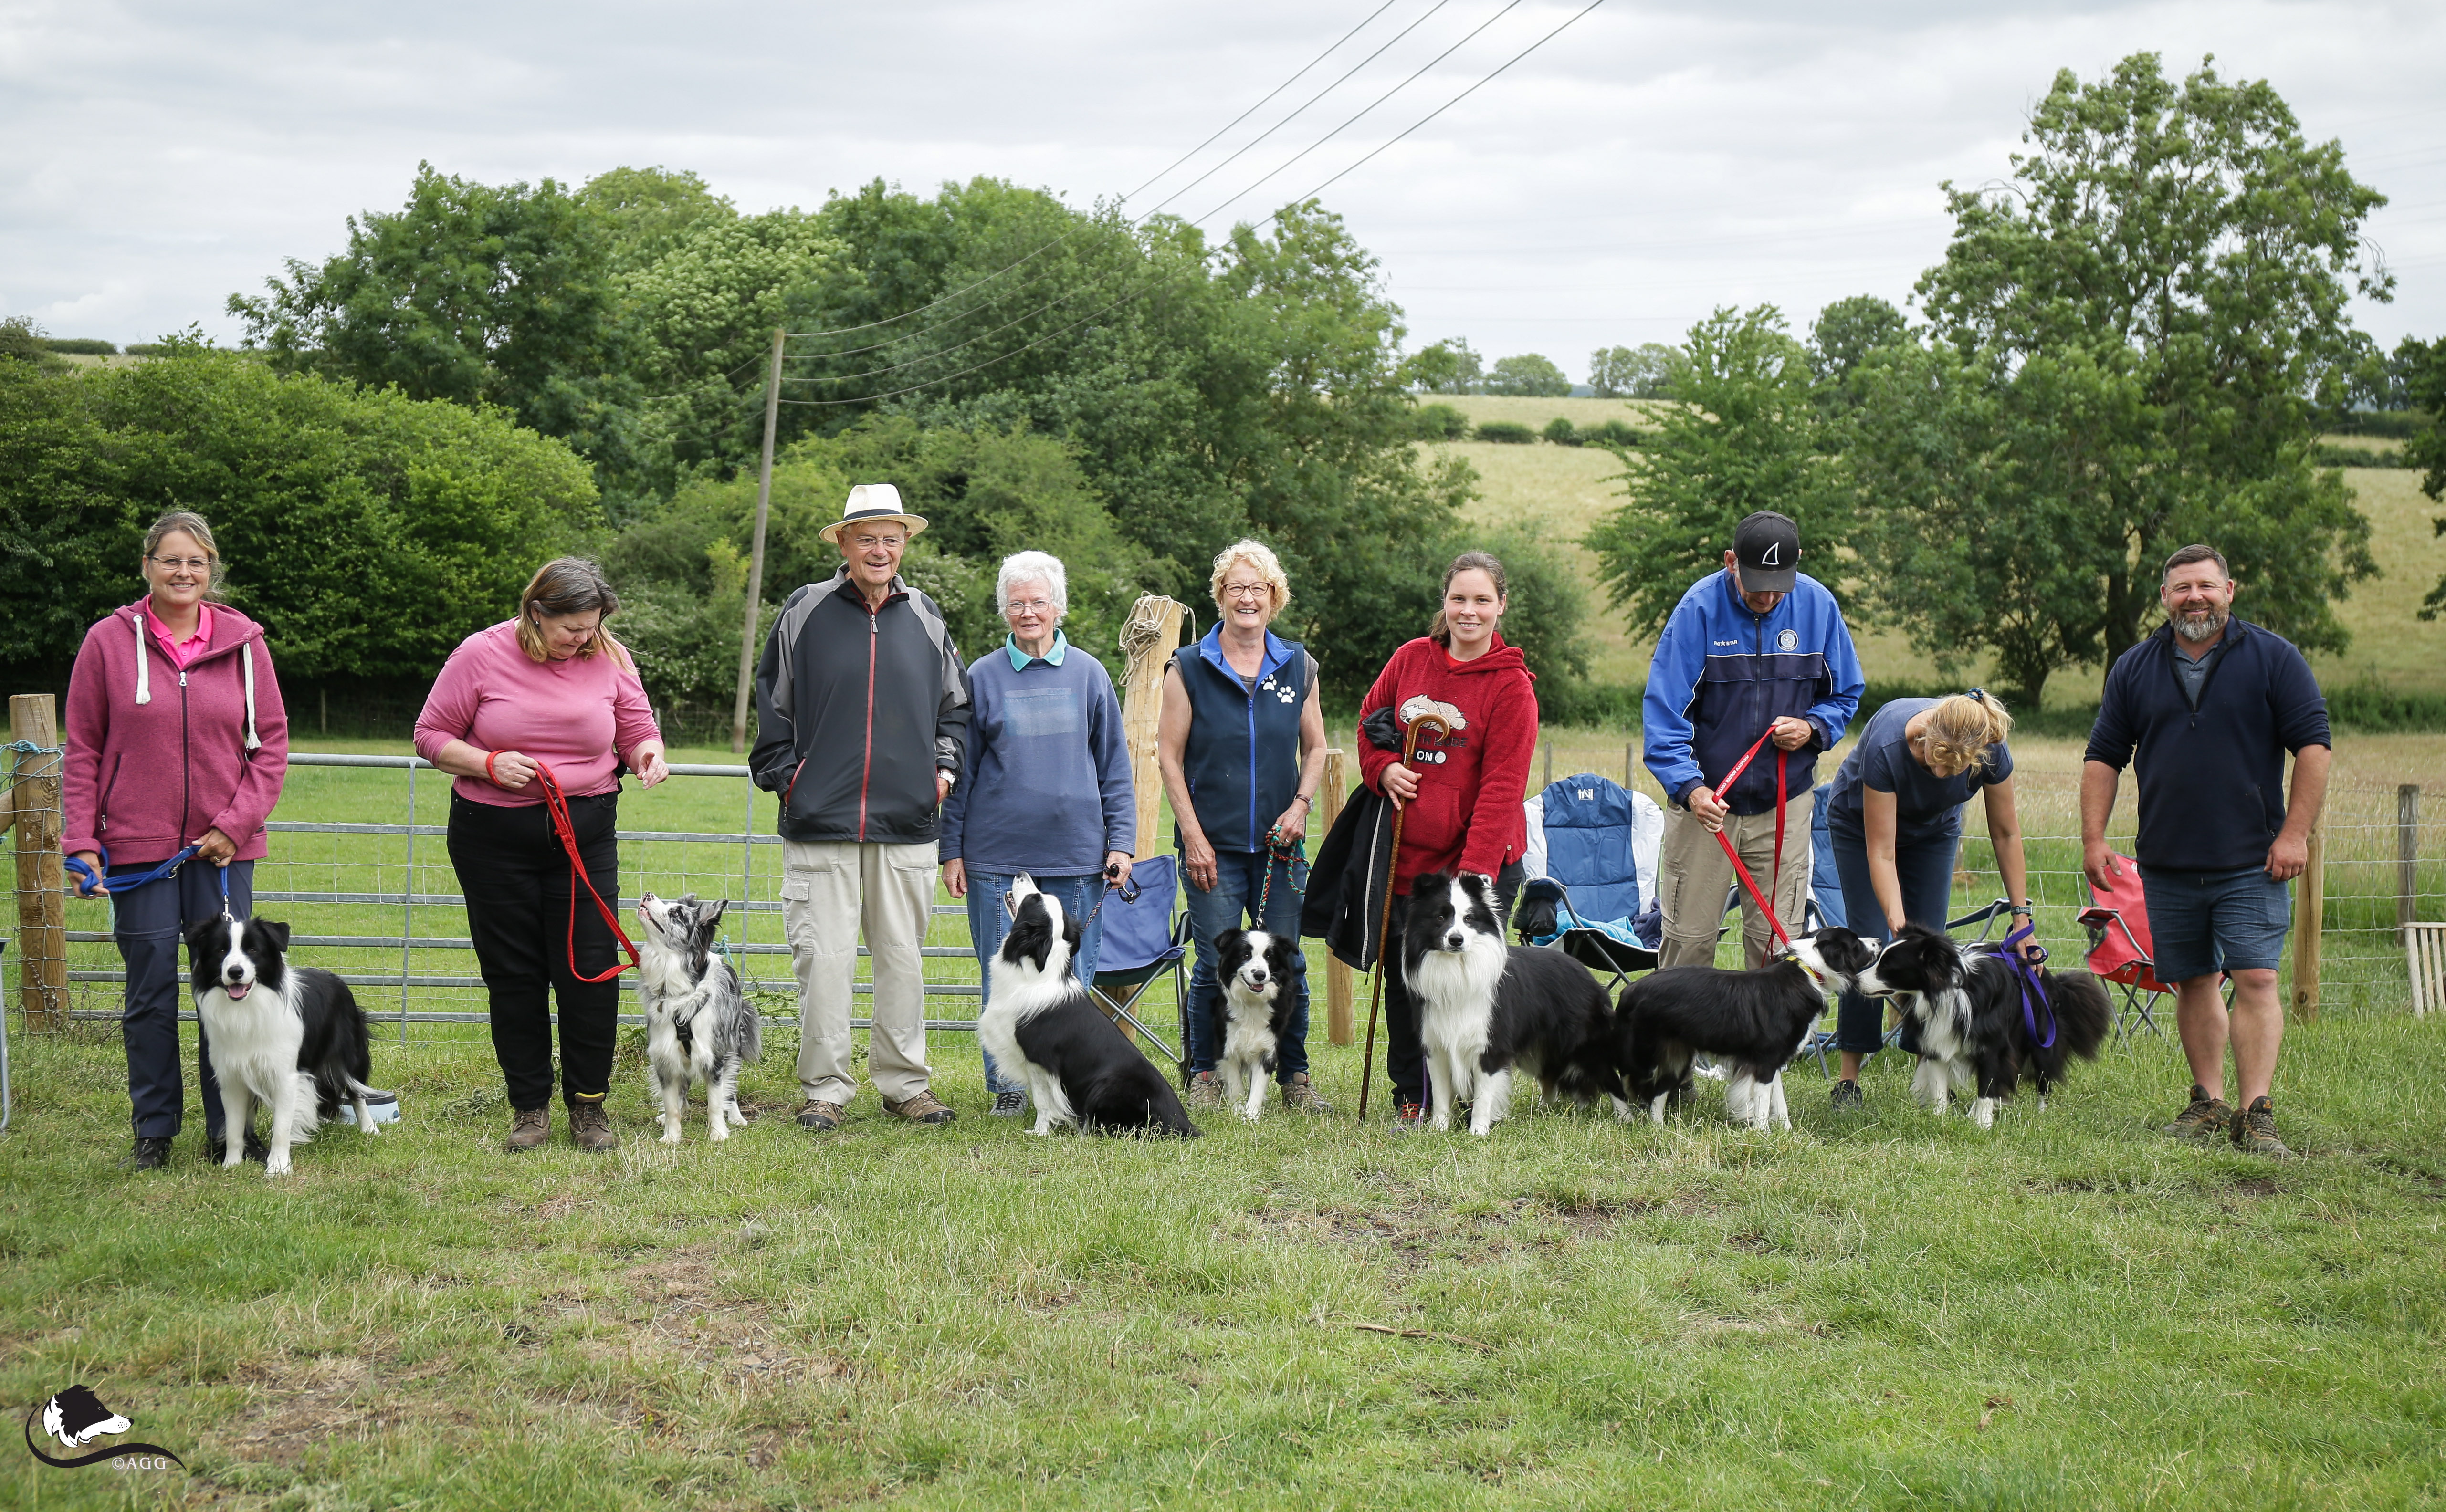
[
  {"x": 922, "y": 1109},
  {"x": 1408, "y": 1117},
  {"x": 1009, "y": 1104},
  {"x": 530, "y": 1126},
  {"x": 818, "y": 1114},
  {"x": 1301, "y": 1093},
  {"x": 1205, "y": 1092},
  {"x": 253, "y": 1148},
  {"x": 2206, "y": 1118},
  {"x": 2254, "y": 1132},
  {"x": 589, "y": 1127},
  {"x": 149, "y": 1154},
  {"x": 1847, "y": 1098}
]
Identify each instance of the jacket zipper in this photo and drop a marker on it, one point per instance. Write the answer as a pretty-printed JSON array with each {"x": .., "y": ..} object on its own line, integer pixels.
[
  {"x": 1253, "y": 842},
  {"x": 866, "y": 775},
  {"x": 186, "y": 761}
]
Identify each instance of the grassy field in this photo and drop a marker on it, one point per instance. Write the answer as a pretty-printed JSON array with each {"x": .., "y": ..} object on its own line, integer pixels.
[
  {"x": 1869, "y": 1311},
  {"x": 1568, "y": 489}
]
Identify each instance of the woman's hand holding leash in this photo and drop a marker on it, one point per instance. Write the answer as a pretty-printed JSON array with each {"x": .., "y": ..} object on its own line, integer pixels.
[
  {"x": 1117, "y": 869},
  {"x": 94, "y": 866},
  {"x": 215, "y": 848},
  {"x": 509, "y": 769}
]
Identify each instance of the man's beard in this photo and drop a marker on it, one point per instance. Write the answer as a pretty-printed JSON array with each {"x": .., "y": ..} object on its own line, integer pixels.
[{"x": 2202, "y": 626}]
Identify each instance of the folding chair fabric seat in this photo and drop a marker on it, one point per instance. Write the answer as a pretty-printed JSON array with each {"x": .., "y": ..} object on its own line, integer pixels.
[
  {"x": 1145, "y": 940},
  {"x": 2120, "y": 948}
]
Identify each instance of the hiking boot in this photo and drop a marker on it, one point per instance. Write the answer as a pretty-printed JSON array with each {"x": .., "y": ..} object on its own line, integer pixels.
[
  {"x": 1205, "y": 1092},
  {"x": 2204, "y": 1119},
  {"x": 1409, "y": 1116},
  {"x": 1847, "y": 1098},
  {"x": 921, "y": 1108},
  {"x": 2254, "y": 1132},
  {"x": 1009, "y": 1104},
  {"x": 589, "y": 1127},
  {"x": 818, "y": 1114},
  {"x": 1301, "y": 1094},
  {"x": 149, "y": 1154},
  {"x": 251, "y": 1148},
  {"x": 530, "y": 1126}
]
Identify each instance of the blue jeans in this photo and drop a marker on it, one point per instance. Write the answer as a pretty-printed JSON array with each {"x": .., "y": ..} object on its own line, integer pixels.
[
  {"x": 988, "y": 923},
  {"x": 2205, "y": 922},
  {"x": 1923, "y": 871},
  {"x": 1240, "y": 883},
  {"x": 148, "y": 924}
]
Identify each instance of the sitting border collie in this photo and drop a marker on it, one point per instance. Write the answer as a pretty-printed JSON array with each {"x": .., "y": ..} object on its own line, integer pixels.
[
  {"x": 1256, "y": 968},
  {"x": 293, "y": 1038},
  {"x": 1486, "y": 1009},
  {"x": 699, "y": 1027},
  {"x": 1974, "y": 1029},
  {"x": 1080, "y": 1069},
  {"x": 1753, "y": 1021}
]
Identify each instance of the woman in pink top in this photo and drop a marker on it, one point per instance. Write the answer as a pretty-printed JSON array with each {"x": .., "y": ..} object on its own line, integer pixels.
[
  {"x": 175, "y": 737},
  {"x": 549, "y": 688}
]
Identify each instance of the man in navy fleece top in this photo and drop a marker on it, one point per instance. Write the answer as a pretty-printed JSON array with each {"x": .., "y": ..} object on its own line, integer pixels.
[{"x": 2209, "y": 705}]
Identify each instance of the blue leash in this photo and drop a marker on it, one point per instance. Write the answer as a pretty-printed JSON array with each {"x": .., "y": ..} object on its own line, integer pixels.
[
  {"x": 89, "y": 881},
  {"x": 2026, "y": 972}
]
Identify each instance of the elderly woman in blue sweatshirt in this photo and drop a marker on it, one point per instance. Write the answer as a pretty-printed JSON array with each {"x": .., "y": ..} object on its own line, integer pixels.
[{"x": 1049, "y": 788}]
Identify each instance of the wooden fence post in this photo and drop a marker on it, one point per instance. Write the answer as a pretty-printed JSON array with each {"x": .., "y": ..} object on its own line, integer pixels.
[
  {"x": 2407, "y": 853},
  {"x": 2309, "y": 926},
  {"x": 1147, "y": 641},
  {"x": 1337, "y": 976},
  {"x": 42, "y": 906}
]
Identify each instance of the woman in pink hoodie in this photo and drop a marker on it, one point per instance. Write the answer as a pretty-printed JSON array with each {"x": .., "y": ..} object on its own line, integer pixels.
[{"x": 175, "y": 737}]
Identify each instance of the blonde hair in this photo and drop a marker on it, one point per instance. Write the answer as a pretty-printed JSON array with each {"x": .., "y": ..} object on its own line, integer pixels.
[
  {"x": 570, "y": 584},
  {"x": 193, "y": 524},
  {"x": 1962, "y": 732},
  {"x": 1259, "y": 555}
]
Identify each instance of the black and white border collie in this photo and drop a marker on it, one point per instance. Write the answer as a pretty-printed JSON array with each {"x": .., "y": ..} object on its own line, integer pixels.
[
  {"x": 1256, "y": 971},
  {"x": 1752, "y": 1021},
  {"x": 699, "y": 1027},
  {"x": 1972, "y": 1034},
  {"x": 1486, "y": 1009},
  {"x": 1080, "y": 1069},
  {"x": 293, "y": 1038}
]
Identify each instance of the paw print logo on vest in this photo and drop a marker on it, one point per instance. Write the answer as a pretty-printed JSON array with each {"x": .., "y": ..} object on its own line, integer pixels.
[{"x": 1275, "y": 687}]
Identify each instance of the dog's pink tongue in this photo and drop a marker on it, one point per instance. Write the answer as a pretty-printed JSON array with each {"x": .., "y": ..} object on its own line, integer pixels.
[{"x": 239, "y": 989}]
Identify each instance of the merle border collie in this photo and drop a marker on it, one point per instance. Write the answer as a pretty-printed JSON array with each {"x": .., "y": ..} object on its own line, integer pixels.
[
  {"x": 1257, "y": 972},
  {"x": 1080, "y": 1069},
  {"x": 1753, "y": 1022},
  {"x": 1972, "y": 1029},
  {"x": 699, "y": 1026},
  {"x": 293, "y": 1037},
  {"x": 1486, "y": 1010}
]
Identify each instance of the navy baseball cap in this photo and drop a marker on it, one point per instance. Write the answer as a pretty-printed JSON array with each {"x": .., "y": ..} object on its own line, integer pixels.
[{"x": 1768, "y": 547}]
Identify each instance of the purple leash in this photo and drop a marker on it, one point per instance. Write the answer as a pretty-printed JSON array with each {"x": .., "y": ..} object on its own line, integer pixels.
[{"x": 2026, "y": 971}]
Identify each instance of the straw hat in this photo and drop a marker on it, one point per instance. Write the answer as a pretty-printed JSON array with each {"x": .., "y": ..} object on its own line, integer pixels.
[{"x": 872, "y": 502}]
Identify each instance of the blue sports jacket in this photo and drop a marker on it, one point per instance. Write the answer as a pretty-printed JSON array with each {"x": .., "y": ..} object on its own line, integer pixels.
[{"x": 1721, "y": 674}]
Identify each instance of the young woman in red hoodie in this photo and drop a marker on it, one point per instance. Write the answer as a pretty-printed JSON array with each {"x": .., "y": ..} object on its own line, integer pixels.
[{"x": 1461, "y": 794}]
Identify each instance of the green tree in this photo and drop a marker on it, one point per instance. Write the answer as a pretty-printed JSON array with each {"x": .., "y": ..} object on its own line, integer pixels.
[
  {"x": 1647, "y": 371},
  {"x": 1844, "y": 334},
  {"x": 2142, "y": 331},
  {"x": 1547, "y": 610},
  {"x": 1527, "y": 374},
  {"x": 1745, "y": 438},
  {"x": 2421, "y": 367},
  {"x": 1444, "y": 367}
]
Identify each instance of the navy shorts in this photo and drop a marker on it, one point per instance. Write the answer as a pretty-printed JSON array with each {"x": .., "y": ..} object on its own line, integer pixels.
[{"x": 2204, "y": 923}]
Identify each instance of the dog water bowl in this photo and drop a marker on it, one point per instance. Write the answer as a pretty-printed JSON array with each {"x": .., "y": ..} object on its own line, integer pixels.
[{"x": 384, "y": 1109}]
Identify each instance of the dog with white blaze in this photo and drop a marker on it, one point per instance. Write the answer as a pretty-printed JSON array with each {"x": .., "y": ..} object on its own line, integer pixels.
[
  {"x": 700, "y": 1028},
  {"x": 1256, "y": 971},
  {"x": 293, "y": 1038},
  {"x": 1751, "y": 1022},
  {"x": 1985, "y": 1022}
]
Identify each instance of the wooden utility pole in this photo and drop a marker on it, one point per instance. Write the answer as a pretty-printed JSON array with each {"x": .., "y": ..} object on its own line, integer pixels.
[
  {"x": 2309, "y": 909},
  {"x": 1147, "y": 640},
  {"x": 41, "y": 904},
  {"x": 747, "y": 648},
  {"x": 1337, "y": 976}
]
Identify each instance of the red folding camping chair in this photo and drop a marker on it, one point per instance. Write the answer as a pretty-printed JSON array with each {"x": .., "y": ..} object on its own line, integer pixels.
[{"x": 2120, "y": 947}]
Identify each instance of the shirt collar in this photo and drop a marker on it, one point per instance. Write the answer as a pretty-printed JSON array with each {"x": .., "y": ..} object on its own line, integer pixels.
[
  {"x": 162, "y": 632},
  {"x": 1278, "y": 651},
  {"x": 1020, "y": 659}
]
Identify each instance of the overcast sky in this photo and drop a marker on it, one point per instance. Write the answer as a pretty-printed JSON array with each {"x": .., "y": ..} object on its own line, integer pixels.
[{"x": 1655, "y": 161}]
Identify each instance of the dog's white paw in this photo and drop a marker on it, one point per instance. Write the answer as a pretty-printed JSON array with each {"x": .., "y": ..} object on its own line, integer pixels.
[
  {"x": 718, "y": 1131},
  {"x": 276, "y": 1163},
  {"x": 670, "y": 1135}
]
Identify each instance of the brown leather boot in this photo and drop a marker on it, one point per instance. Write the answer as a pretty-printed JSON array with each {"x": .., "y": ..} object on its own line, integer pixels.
[
  {"x": 530, "y": 1126},
  {"x": 589, "y": 1127}
]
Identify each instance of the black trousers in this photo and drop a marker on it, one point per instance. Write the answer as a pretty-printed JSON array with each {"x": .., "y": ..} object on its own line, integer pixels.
[
  {"x": 517, "y": 880},
  {"x": 148, "y": 923},
  {"x": 1405, "y": 1058}
]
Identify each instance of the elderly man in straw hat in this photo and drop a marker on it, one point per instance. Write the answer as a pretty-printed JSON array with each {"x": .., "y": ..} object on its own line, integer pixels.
[{"x": 863, "y": 712}]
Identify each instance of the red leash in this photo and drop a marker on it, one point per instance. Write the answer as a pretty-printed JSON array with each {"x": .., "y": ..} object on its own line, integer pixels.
[
  {"x": 1766, "y": 906},
  {"x": 557, "y": 806}
]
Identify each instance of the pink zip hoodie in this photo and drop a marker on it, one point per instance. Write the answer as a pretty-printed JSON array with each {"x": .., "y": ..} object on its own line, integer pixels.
[{"x": 157, "y": 755}]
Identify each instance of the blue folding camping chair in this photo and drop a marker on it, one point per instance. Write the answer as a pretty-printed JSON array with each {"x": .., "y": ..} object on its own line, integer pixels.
[{"x": 1144, "y": 942}]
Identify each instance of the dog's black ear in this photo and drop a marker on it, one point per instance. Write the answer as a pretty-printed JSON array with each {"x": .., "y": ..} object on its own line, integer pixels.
[
  {"x": 1229, "y": 941},
  {"x": 721, "y": 906},
  {"x": 1072, "y": 930},
  {"x": 199, "y": 934},
  {"x": 276, "y": 934}
]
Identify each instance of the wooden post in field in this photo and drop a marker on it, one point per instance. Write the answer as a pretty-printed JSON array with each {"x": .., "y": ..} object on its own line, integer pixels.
[
  {"x": 42, "y": 906},
  {"x": 1337, "y": 976},
  {"x": 748, "y": 649},
  {"x": 1147, "y": 641},
  {"x": 2407, "y": 853},
  {"x": 2309, "y": 911}
]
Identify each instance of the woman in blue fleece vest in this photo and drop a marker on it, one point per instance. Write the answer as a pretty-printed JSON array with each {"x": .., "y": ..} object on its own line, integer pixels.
[{"x": 1048, "y": 791}]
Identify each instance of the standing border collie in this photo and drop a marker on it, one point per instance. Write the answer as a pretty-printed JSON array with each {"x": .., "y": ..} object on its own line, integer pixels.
[
  {"x": 1968, "y": 999},
  {"x": 699, "y": 1027},
  {"x": 1486, "y": 1009},
  {"x": 1256, "y": 968},
  {"x": 295, "y": 1038},
  {"x": 1752, "y": 1021},
  {"x": 1080, "y": 1069}
]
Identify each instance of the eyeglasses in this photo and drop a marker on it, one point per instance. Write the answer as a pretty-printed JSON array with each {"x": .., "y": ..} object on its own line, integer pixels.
[
  {"x": 192, "y": 564},
  {"x": 1247, "y": 590},
  {"x": 1017, "y": 607}
]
